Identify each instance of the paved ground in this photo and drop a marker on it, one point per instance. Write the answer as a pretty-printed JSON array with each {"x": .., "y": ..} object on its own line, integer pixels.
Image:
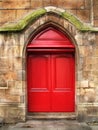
[
  {"x": 94, "y": 127},
  {"x": 50, "y": 125}
]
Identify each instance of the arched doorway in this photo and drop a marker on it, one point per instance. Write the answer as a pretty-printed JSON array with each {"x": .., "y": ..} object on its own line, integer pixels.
[{"x": 51, "y": 72}]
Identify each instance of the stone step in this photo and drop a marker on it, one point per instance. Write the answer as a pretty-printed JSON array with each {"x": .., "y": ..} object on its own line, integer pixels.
[
  {"x": 70, "y": 116},
  {"x": 50, "y": 125}
]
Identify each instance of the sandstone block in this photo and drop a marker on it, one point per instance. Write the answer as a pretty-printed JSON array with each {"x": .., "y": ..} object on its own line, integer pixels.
[
  {"x": 95, "y": 2},
  {"x": 14, "y": 88},
  {"x": 73, "y": 11},
  {"x": 89, "y": 95},
  {"x": 16, "y": 50},
  {"x": 7, "y": 51},
  {"x": 4, "y": 63},
  {"x": 85, "y": 51},
  {"x": 80, "y": 76},
  {"x": 16, "y": 4},
  {"x": 96, "y": 23},
  {"x": 12, "y": 113},
  {"x": 36, "y": 3},
  {"x": 96, "y": 39},
  {"x": 21, "y": 13},
  {"x": 7, "y": 16},
  {"x": 96, "y": 11},
  {"x": 91, "y": 84},
  {"x": 56, "y": 3},
  {"x": 87, "y": 66},
  {"x": 95, "y": 52},
  {"x": 91, "y": 111},
  {"x": 87, "y": 4},
  {"x": 82, "y": 91},
  {"x": 84, "y": 84},
  {"x": 21, "y": 39},
  {"x": 95, "y": 73},
  {"x": 12, "y": 98},
  {"x": 1, "y": 40},
  {"x": 3, "y": 83},
  {"x": 0, "y": 4},
  {"x": 78, "y": 38},
  {"x": 46, "y": 3},
  {"x": 17, "y": 63},
  {"x": 10, "y": 75},
  {"x": 20, "y": 75},
  {"x": 84, "y": 15},
  {"x": 86, "y": 74},
  {"x": 72, "y": 4}
]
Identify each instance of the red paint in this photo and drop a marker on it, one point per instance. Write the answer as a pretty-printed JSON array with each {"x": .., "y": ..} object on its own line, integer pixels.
[
  {"x": 51, "y": 73},
  {"x": 51, "y": 38}
]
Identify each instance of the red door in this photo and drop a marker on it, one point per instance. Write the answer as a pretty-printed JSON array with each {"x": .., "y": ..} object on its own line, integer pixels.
[
  {"x": 51, "y": 83},
  {"x": 51, "y": 73}
]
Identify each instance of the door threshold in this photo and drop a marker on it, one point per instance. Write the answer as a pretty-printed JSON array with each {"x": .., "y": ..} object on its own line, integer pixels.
[{"x": 67, "y": 116}]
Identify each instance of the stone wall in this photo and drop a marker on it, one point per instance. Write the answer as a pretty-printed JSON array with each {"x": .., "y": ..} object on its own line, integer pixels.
[
  {"x": 13, "y": 88},
  {"x": 13, "y": 10},
  {"x": 12, "y": 78}
]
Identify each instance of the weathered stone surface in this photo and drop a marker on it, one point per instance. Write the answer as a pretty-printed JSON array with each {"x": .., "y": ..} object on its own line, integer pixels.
[
  {"x": 96, "y": 39},
  {"x": 87, "y": 4},
  {"x": 91, "y": 84},
  {"x": 17, "y": 63},
  {"x": 4, "y": 63},
  {"x": 84, "y": 84},
  {"x": 13, "y": 51},
  {"x": 79, "y": 39},
  {"x": 21, "y": 75},
  {"x": 96, "y": 12},
  {"x": 73, "y": 4},
  {"x": 86, "y": 74},
  {"x": 21, "y": 13},
  {"x": 96, "y": 23},
  {"x": 84, "y": 15},
  {"x": 85, "y": 51},
  {"x": 10, "y": 75},
  {"x": 1, "y": 40},
  {"x": 89, "y": 95},
  {"x": 10, "y": 4},
  {"x": 36, "y": 3},
  {"x": 95, "y": 52},
  {"x": 7, "y": 16},
  {"x": 3, "y": 82},
  {"x": 12, "y": 113},
  {"x": 46, "y": 3},
  {"x": 14, "y": 88},
  {"x": 95, "y": 2}
]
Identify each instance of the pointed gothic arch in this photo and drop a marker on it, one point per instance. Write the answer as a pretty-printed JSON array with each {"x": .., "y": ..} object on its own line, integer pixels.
[{"x": 50, "y": 40}]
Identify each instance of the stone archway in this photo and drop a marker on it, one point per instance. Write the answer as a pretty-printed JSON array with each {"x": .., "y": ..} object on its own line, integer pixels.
[
  {"x": 68, "y": 29},
  {"x": 51, "y": 72}
]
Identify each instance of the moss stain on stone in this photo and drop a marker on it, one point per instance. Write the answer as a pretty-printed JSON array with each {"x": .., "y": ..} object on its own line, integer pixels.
[
  {"x": 24, "y": 22},
  {"x": 76, "y": 22},
  {"x": 36, "y": 14}
]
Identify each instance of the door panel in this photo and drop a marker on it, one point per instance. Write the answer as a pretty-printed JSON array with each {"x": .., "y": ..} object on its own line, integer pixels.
[
  {"x": 38, "y": 91},
  {"x": 63, "y": 85},
  {"x": 64, "y": 69},
  {"x": 51, "y": 83}
]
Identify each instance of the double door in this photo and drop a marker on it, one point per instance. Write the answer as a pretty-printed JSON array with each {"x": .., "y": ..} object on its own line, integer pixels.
[{"x": 51, "y": 82}]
